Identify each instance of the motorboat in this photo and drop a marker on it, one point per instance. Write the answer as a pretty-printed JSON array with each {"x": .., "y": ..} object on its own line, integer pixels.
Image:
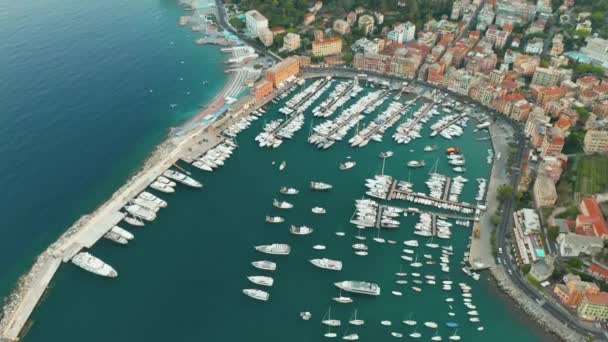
[
  {"x": 182, "y": 178},
  {"x": 319, "y": 247},
  {"x": 90, "y": 263},
  {"x": 305, "y": 315},
  {"x": 430, "y": 148},
  {"x": 386, "y": 154},
  {"x": 275, "y": 248},
  {"x": 318, "y": 210},
  {"x": 431, "y": 325},
  {"x": 282, "y": 204},
  {"x": 361, "y": 287},
  {"x": 328, "y": 264},
  {"x": 303, "y": 230},
  {"x": 347, "y": 165},
  {"x": 257, "y": 294},
  {"x": 122, "y": 232},
  {"x": 320, "y": 186},
  {"x": 265, "y": 265},
  {"x": 289, "y": 191},
  {"x": 274, "y": 219},
  {"x": 113, "y": 236},
  {"x": 282, "y": 166},
  {"x": 261, "y": 280},
  {"x": 416, "y": 163}
]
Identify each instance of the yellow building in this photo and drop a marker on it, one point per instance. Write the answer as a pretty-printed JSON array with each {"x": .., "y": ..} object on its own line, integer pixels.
[
  {"x": 596, "y": 141},
  {"x": 327, "y": 47},
  {"x": 545, "y": 194},
  {"x": 594, "y": 307}
]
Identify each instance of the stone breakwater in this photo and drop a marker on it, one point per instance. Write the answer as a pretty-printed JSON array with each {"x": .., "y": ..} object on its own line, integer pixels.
[{"x": 540, "y": 315}]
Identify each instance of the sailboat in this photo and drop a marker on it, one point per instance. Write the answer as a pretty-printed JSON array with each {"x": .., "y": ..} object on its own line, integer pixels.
[
  {"x": 401, "y": 273},
  {"x": 416, "y": 263},
  {"x": 328, "y": 321},
  {"x": 431, "y": 244},
  {"x": 359, "y": 236},
  {"x": 378, "y": 238},
  {"x": 410, "y": 321},
  {"x": 330, "y": 334},
  {"x": 455, "y": 337},
  {"x": 415, "y": 334},
  {"x": 437, "y": 337},
  {"x": 350, "y": 337},
  {"x": 343, "y": 299},
  {"x": 354, "y": 320}
]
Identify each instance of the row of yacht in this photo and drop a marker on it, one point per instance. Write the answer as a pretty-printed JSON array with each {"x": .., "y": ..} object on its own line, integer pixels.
[
  {"x": 216, "y": 156},
  {"x": 375, "y": 130},
  {"x": 242, "y": 124},
  {"x": 379, "y": 186},
  {"x": 410, "y": 129},
  {"x": 343, "y": 92}
]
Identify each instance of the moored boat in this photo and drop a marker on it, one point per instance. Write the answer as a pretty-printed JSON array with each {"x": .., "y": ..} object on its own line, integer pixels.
[
  {"x": 257, "y": 294},
  {"x": 265, "y": 265},
  {"x": 94, "y": 265},
  {"x": 275, "y": 248},
  {"x": 328, "y": 264}
]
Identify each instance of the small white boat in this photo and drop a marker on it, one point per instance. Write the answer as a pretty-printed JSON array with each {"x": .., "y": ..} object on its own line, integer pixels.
[
  {"x": 282, "y": 166},
  {"x": 340, "y": 233},
  {"x": 355, "y": 321},
  {"x": 318, "y": 210},
  {"x": 328, "y": 264},
  {"x": 319, "y": 247},
  {"x": 415, "y": 334},
  {"x": 305, "y": 315},
  {"x": 282, "y": 204},
  {"x": 343, "y": 299},
  {"x": 350, "y": 337},
  {"x": 396, "y": 334},
  {"x": 265, "y": 265},
  {"x": 274, "y": 219},
  {"x": 303, "y": 230},
  {"x": 327, "y": 320},
  {"x": 361, "y": 253},
  {"x": 347, "y": 165},
  {"x": 416, "y": 163},
  {"x": 289, "y": 191},
  {"x": 431, "y": 325},
  {"x": 386, "y": 323},
  {"x": 261, "y": 280},
  {"x": 397, "y": 293},
  {"x": 386, "y": 154},
  {"x": 257, "y": 294}
]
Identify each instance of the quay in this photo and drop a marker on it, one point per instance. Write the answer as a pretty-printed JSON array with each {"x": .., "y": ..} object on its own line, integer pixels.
[
  {"x": 343, "y": 93},
  {"x": 381, "y": 128},
  {"x": 399, "y": 194},
  {"x": 309, "y": 95},
  {"x": 448, "y": 124},
  {"x": 417, "y": 119},
  {"x": 446, "y": 190},
  {"x": 379, "y": 216}
]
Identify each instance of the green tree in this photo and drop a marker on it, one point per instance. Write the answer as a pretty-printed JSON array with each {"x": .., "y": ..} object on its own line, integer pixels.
[
  {"x": 552, "y": 233},
  {"x": 504, "y": 192},
  {"x": 525, "y": 269},
  {"x": 575, "y": 263}
]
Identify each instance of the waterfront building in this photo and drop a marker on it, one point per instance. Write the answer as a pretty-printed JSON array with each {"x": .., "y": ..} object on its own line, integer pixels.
[
  {"x": 594, "y": 307},
  {"x": 366, "y": 24},
  {"x": 309, "y": 18},
  {"x": 573, "y": 245},
  {"x": 371, "y": 62},
  {"x": 591, "y": 220},
  {"x": 282, "y": 71},
  {"x": 535, "y": 46},
  {"x": 545, "y": 77},
  {"x": 327, "y": 47},
  {"x": 368, "y": 46},
  {"x": 526, "y": 230},
  {"x": 266, "y": 36},
  {"x": 291, "y": 42},
  {"x": 597, "y": 50},
  {"x": 341, "y": 26},
  {"x": 255, "y": 22},
  {"x": 262, "y": 89},
  {"x": 545, "y": 194},
  {"x": 596, "y": 141},
  {"x": 572, "y": 292},
  {"x": 459, "y": 80}
]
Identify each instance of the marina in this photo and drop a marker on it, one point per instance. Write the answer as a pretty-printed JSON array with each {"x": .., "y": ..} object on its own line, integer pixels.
[{"x": 293, "y": 254}]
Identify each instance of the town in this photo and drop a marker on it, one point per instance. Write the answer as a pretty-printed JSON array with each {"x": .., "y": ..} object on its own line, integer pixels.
[{"x": 539, "y": 65}]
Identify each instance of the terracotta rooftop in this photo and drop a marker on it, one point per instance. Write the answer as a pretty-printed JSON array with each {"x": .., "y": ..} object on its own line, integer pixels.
[
  {"x": 595, "y": 217},
  {"x": 600, "y": 298}
]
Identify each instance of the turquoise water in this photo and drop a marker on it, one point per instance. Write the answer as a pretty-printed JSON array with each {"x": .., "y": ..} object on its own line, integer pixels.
[
  {"x": 77, "y": 116},
  {"x": 181, "y": 278}
]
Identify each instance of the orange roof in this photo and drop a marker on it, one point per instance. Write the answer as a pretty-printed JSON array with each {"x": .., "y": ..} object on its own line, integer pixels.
[
  {"x": 328, "y": 40},
  {"x": 601, "y": 88},
  {"x": 563, "y": 123},
  {"x": 308, "y": 15},
  {"x": 595, "y": 213},
  {"x": 600, "y": 298},
  {"x": 587, "y": 79},
  {"x": 553, "y": 91},
  {"x": 507, "y": 27},
  {"x": 598, "y": 270},
  {"x": 513, "y": 97},
  {"x": 588, "y": 93}
]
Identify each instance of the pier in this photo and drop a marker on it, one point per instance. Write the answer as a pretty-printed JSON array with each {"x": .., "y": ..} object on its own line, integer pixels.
[
  {"x": 446, "y": 189},
  {"x": 353, "y": 115},
  {"x": 381, "y": 128},
  {"x": 417, "y": 119},
  {"x": 448, "y": 124},
  {"x": 399, "y": 194},
  {"x": 337, "y": 98},
  {"x": 309, "y": 95}
]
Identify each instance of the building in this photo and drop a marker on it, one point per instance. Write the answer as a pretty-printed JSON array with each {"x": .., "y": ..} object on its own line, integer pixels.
[
  {"x": 266, "y": 36},
  {"x": 545, "y": 194},
  {"x": 497, "y": 38},
  {"x": 351, "y": 18},
  {"x": 591, "y": 220},
  {"x": 291, "y": 42},
  {"x": 587, "y": 82},
  {"x": 557, "y": 45},
  {"x": 542, "y": 269},
  {"x": 573, "y": 245},
  {"x": 596, "y": 141},
  {"x": 262, "y": 89},
  {"x": 525, "y": 64},
  {"x": 594, "y": 307},
  {"x": 327, "y": 47},
  {"x": 366, "y": 23},
  {"x": 402, "y": 33},
  {"x": 572, "y": 292},
  {"x": 535, "y": 46},
  {"x": 309, "y": 18},
  {"x": 597, "y": 50},
  {"x": 528, "y": 243},
  {"x": 282, "y": 71},
  {"x": 553, "y": 142},
  {"x": 341, "y": 26},
  {"x": 318, "y": 34},
  {"x": 255, "y": 22},
  {"x": 545, "y": 77}
]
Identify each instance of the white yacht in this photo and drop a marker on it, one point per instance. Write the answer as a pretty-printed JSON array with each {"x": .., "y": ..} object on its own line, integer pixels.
[
  {"x": 320, "y": 186},
  {"x": 275, "y": 248},
  {"x": 257, "y": 294},
  {"x": 289, "y": 191},
  {"x": 182, "y": 178},
  {"x": 361, "y": 287},
  {"x": 328, "y": 264},
  {"x": 355, "y": 321},
  {"x": 141, "y": 212},
  {"x": 162, "y": 187},
  {"x": 261, "y": 280},
  {"x": 123, "y": 232},
  {"x": 92, "y": 264},
  {"x": 318, "y": 210},
  {"x": 350, "y": 337},
  {"x": 303, "y": 230},
  {"x": 282, "y": 166},
  {"x": 347, "y": 165},
  {"x": 430, "y": 148},
  {"x": 150, "y": 197},
  {"x": 133, "y": 221},
  {"x": 265, "y": 265},
  {"x": 327, "y": 320},
  {"x": 386, "y": 154},
  {"x": 274, "y": 219},
  {"x": 112, "y": 236},
  {"x": 411, "y": 243},
  {"x": 416, "y": 163},
  {"x": 282, "y": 204}
]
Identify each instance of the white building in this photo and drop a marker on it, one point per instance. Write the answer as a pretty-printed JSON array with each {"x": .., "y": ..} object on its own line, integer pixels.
[
  {"x": 291, "y": 42},
  {"x": 402, "y": 33},
  {"x": 535, "y": 46},
  {"x": 597, "y": 50},
  {"x": 571, "y": 245},
  {"x": 255, "y": 22}
]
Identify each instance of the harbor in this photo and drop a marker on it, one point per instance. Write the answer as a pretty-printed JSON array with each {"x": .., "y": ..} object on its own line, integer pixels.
[{"x": 207, "y": 147}]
